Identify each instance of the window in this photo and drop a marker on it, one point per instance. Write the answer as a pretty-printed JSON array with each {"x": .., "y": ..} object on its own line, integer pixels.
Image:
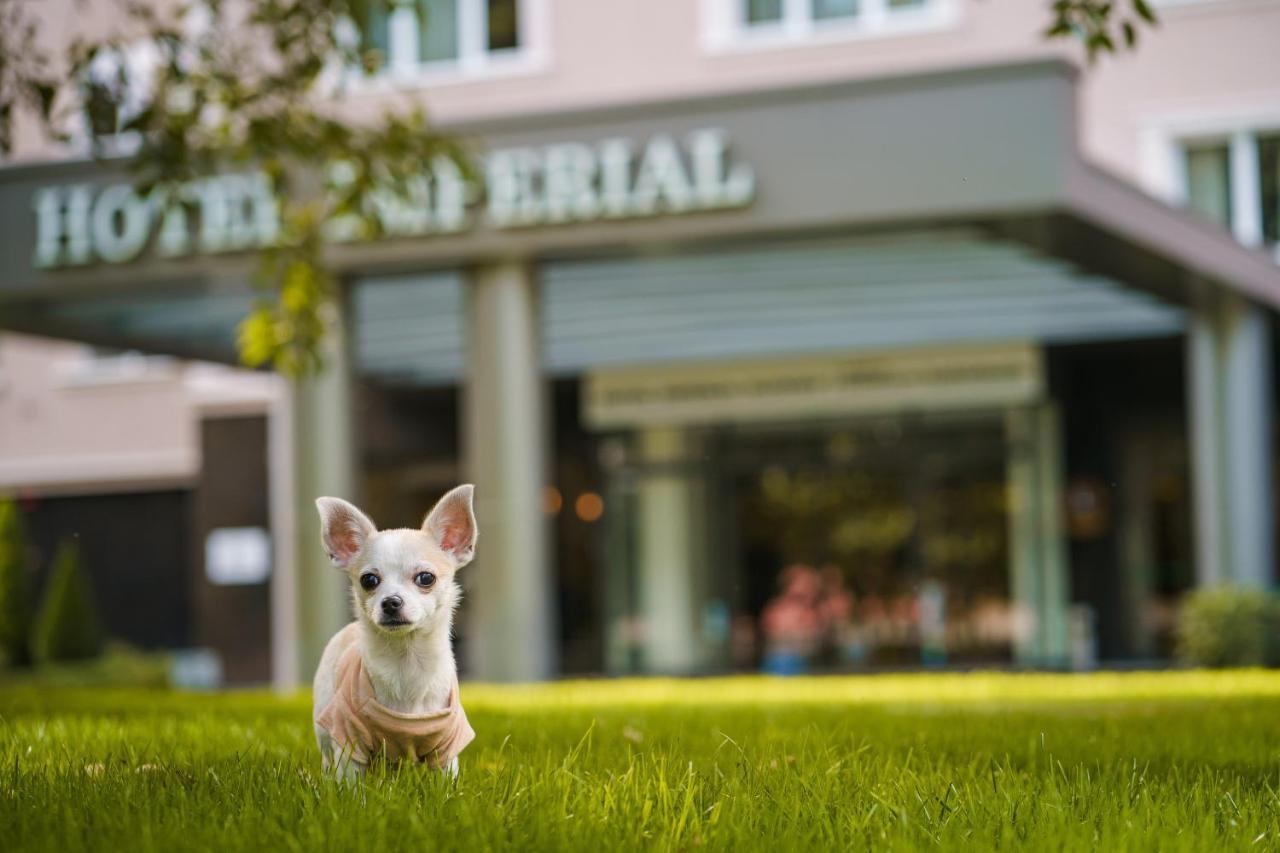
[
  {"x": 1209, "y": 182},
  {"x": 735, "y": 24},
  {"x": 1269, "y": 171},
  {"x": 824, "y": 9},
  {"x": 814, "y": 18},
  {"x": 1235, "y": 182},
  {"x": 114, "y": 90},
  {"x": 413, "y": 35},
  {"x": 763, "y": 11}
]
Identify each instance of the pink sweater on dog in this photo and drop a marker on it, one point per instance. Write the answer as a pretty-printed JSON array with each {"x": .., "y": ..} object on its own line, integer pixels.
[{"x": 362, "y": 727}]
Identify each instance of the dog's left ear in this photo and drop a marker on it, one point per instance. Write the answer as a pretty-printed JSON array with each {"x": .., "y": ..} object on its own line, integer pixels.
[{"x": 452, "y": 524}]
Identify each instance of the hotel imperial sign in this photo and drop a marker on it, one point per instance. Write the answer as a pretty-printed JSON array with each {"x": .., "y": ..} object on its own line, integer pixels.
[{"x": 556, "y": 184}]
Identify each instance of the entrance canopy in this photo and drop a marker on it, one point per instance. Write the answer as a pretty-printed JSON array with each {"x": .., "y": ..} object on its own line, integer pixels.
[{"x": 950, "y": 206}]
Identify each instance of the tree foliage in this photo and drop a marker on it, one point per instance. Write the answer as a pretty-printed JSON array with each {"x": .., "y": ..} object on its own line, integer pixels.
[
  {"x": 256, "y": 85},
  {"x": 1100, "y": 25},
  {"x": 67, "y": 627}
]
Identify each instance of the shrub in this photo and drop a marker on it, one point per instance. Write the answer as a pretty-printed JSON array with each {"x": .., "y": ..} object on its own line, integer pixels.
[
  {"x": 67, "y": 628},
  {"x": 15, "y": 594},
  {"x": 1230, "y": 626}
]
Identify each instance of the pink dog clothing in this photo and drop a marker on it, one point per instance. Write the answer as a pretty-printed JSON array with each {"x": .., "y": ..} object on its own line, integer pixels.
[{"x": 362, "y": 727}]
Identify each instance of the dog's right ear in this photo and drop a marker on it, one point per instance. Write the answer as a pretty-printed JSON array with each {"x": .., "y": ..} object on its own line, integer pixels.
[{"x": 343, "y": 529}]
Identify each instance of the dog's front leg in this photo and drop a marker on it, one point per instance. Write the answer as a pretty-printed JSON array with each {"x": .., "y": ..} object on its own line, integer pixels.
[
  {"x": 348, "y": 770},
  {"x": 336, "y": 761}
]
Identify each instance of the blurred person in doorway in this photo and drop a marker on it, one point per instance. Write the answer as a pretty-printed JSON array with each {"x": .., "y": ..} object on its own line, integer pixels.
[
  {"x": 841, "y": 641},
  {"x": 791, "y": 623}
]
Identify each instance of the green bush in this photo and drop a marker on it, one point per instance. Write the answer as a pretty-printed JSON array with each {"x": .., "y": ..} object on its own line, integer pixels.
[
  {"x": 15, "y": 594},
  {"x": 119, "y": 666},
  {"x": 1230, "y": 626},
  {"x": 67, "y": 628}
]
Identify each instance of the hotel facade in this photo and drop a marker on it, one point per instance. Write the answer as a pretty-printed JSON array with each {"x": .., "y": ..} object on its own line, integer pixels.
[{"x": 893, "y": 287}]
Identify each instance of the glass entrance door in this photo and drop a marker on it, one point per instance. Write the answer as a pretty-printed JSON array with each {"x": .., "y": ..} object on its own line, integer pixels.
[{"x": 831, "y": 546}]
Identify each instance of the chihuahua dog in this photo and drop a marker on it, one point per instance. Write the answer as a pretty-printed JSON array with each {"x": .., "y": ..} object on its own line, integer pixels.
[{"x": 387, "y": 683}]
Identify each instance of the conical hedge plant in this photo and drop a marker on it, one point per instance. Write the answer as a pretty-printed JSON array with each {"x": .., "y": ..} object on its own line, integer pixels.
[
  {"x": 67, "y": 628},
  {"x": 15, "y": 592}
]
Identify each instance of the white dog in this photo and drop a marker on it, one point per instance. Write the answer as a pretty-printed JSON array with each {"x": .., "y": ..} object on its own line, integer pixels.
[{"x": 387, "y": 683}]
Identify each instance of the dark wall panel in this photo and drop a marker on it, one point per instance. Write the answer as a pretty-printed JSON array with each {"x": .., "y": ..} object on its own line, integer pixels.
[
  {"x": 233, "y": 620},
  {"x": 135, "y": 550}
]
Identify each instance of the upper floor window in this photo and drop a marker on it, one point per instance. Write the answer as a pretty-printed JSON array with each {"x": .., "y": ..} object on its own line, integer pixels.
[
  {"x": 421, "y": 35},
  {"x": 744, "y": 22},
  {"x": 113, "y": 91},
  {"x": 1235, "y": 181}
]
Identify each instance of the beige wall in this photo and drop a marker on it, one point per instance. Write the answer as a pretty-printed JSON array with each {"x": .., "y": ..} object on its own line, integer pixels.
[
  {"x": 1206, "y": 55},
  {"x": 74, "y": 423}
]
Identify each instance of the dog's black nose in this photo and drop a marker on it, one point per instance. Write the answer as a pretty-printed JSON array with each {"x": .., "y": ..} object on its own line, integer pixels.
[{"x": 391, "y": 604}]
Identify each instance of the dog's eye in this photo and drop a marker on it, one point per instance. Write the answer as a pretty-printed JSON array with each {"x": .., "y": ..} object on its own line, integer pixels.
[
  {"x": 369, "y": 580},
  {"x": 424, "y": 579}
]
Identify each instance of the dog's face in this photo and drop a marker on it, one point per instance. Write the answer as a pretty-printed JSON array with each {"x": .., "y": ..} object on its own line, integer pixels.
[{"x": 402, "y": 581}]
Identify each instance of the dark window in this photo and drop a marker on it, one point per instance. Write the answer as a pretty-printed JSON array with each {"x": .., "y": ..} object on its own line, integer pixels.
[
  {"x": 1269, "y": 171},
  {"x": 504, "y": 24},
  {"x": 762, "y": 11}
]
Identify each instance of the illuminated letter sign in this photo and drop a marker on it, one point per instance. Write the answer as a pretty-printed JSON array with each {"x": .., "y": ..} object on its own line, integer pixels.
[{"x": 553, "y": 184}]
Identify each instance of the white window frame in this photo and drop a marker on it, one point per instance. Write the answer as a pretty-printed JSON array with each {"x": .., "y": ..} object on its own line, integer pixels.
[
  {"x": 474, "y": 61},
  {"x": 1164, "y": 143},
  {"x": 725, "y": 29}
]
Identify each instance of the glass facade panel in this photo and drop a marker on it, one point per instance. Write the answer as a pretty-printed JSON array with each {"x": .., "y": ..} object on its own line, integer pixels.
[
  {"x": 1209, "y": 182},
  {"x": 875, "y": 542}
]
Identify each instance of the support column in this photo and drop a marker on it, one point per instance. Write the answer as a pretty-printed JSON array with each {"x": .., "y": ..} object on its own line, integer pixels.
[
  {"x": 1204, "y": 411},
  {"x": 504, "y": 429},
  {"x": 286, "y": 659},
  {"x": 324, "y": 464},
  {"x": 1230, "y": 400},
  {"x": 1055, "y": 592},
  {"x": 665, "y": 554},
  {"x": 1247, "y": 430},
  {"x": 1038, "y": 581},
  {"x": 1024, "y": 534}
]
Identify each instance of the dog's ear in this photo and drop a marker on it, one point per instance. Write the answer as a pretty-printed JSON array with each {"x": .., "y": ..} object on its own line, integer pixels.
[
  {"x": 343, "y": 529},
  {"x": 452, "y": 524}
]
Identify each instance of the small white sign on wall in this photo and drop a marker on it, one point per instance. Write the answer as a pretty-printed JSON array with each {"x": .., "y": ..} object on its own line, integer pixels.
[{"x": 237, "y": 556}]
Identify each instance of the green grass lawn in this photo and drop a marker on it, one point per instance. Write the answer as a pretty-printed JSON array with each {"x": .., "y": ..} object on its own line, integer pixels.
[{"x": 1175, "y": 761}]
